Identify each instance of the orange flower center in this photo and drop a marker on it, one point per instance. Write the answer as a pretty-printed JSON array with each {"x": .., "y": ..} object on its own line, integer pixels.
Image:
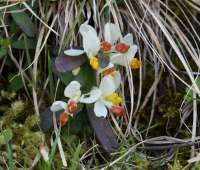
[
  {"x": 118, "y": 110},
  {"x": 63, "y": 118},
  {"x": 108, "y": 71},
  {"x": 122, "y": 47},
  {"x": 105, "y": 46},
  {"x": 72, "y": 106}
]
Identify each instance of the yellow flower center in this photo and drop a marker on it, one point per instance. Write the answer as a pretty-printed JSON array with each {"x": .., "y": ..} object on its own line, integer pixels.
[
  {"x": 135, "y": 63},
  {"x": 94, "y": 63},
  {"x": 114, "y": 99}
]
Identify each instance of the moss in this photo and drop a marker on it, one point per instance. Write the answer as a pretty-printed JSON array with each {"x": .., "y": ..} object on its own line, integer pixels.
[
  {"x": 31, "y": 121},
  {"x": 33, "y": 138},
  {"x": 19, "y": 117},
  {"x": 8, "y": 95}
]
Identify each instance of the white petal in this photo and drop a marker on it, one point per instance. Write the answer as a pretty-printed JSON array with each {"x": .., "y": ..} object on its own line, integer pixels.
[
  {"x": 107, "y": 103},
  {"x": 91, "y": 42},
  {"x": 100, "y": 109},
  {"x": 94, "y": 95},
  {"x": 128, "y": 39},
  {"x": 131, "y": 52},
  {"x": 72, "y": 89},
  {"x": 74, "y": 52},
  {"x": 111, "y": 33},
  {"x": 119, "y": 59},
  {"x": 87, "y": 28},
  {"x": 117, "y": 79},
  {"x": 58, "y": 105},
  {"x": 107, "y": 85}
]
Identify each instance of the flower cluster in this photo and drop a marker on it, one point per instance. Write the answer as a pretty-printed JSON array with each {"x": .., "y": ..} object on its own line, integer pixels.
[
  {"x": 103, "y": 56},
  {"x": 118, "y": 52}
]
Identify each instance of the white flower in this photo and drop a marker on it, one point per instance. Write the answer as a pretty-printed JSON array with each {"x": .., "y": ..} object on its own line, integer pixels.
[
  {"x": 73, "y": 92},
  {"x": 107, "y": 87},
  {"x": 91, "y": 41},
  {"x": 124, "y": 59}
]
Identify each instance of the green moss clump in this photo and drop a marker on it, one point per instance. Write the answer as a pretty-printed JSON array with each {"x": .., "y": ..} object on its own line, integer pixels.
[
  {"x": 31, "y": 121},
  {"x": 8, "y": 95},
  {"x": 19, "y": 117}
]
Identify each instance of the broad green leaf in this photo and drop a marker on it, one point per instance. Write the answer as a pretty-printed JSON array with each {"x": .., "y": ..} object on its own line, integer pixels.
[
  {"x": 86, "y": 77},
  {"x": 5, "y": 42},
  {"x": 189, "y": 92},
  {"x": 23, "y": 20},
  {"x": 3, "y": 52},
  {"x": 21, "y": 44},
  {"x": 66, "y": 78},
  {"x": 5, "y": 136},
  {"x": 78, "y": 122},
  {"x": 15, "y": 83}
]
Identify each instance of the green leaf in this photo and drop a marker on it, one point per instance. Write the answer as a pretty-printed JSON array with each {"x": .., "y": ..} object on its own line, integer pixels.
[
  {"x": 86, "y": 77},
  {"x": 189, "y": 92},
  {"x": 77, "y": 123},
  {"x": 15, "y": 84},
  {"x": 66, "y": 78},
  {"x": 21, "y": 44},
  {"x": 3, "y": 52},
  {"x": 23, "y": 20},
  {"x": 74, "y": 161},
  {"x": 5, "y": 42},
  {"x": 5, "y": 136}
]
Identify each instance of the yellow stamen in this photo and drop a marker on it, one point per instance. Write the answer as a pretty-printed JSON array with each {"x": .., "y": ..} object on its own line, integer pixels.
[
  {"x": 114, "y": 98},
  {"x": 94, "y": 63},
  {"x": 135, "y": 63}
]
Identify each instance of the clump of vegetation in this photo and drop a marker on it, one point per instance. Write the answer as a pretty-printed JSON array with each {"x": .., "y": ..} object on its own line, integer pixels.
[{"x": 149, "y": 51}]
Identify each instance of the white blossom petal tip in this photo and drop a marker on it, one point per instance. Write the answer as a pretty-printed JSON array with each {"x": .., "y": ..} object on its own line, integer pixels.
[
  {"x": 74, "y": 52},
  {"x": 128, "y": 39},
  {"x": 91, "y": 42},
  {"x": 58, "y": 105},
  {"x": 111, "y": 33},
  {"x": 100, "y": 110},
  {"x": 72, "y": 90}
]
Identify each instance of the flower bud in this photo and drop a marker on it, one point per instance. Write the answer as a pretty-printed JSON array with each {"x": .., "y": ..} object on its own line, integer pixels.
[
  {"x": 72, "y": 106},
  {"x": 63, "y": 118},
  {"x": 118, "y": 110}
]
